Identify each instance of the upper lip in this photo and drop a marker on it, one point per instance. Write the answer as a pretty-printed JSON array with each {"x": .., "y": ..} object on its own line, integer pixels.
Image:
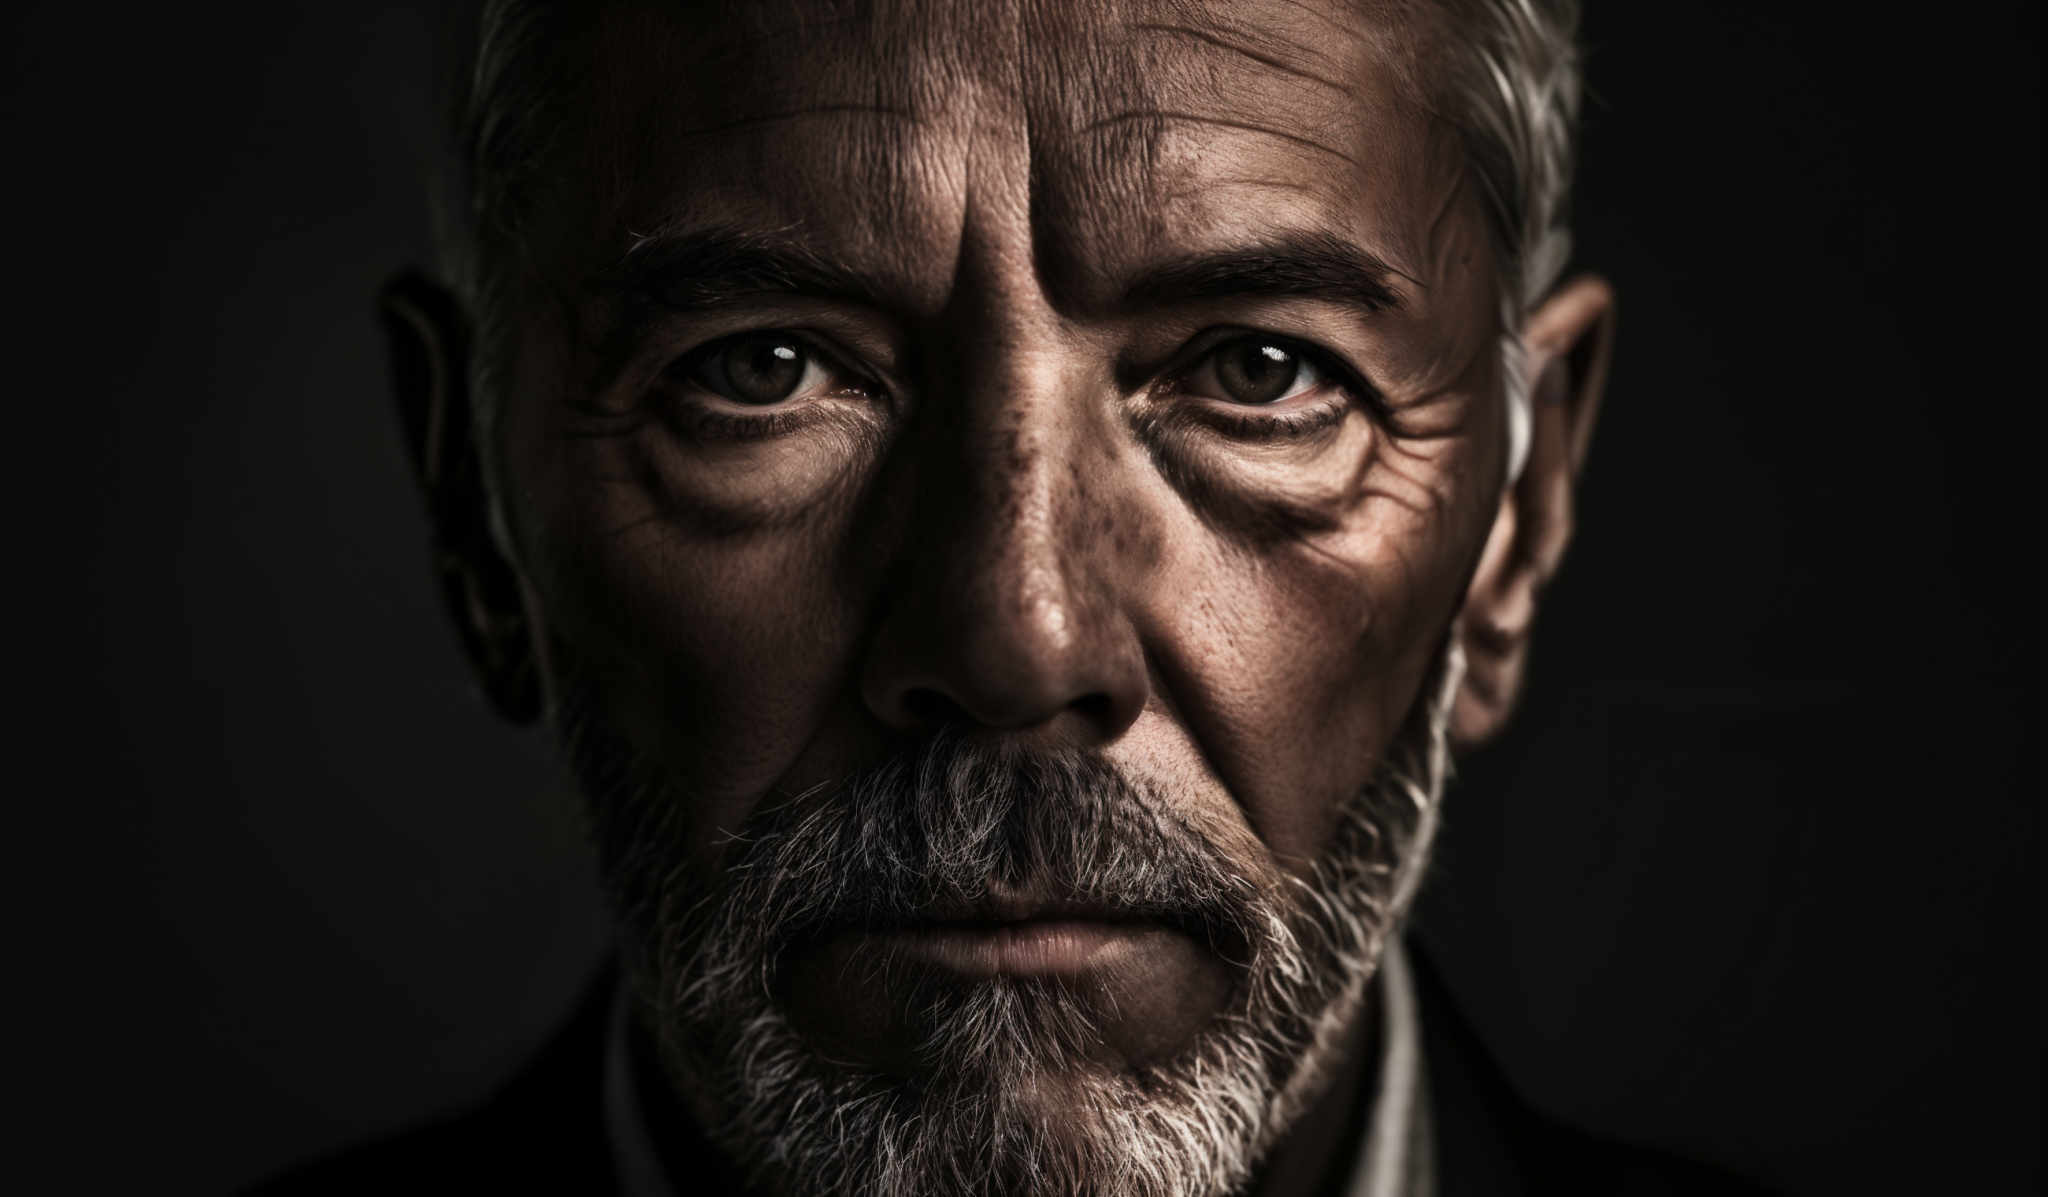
[
  {"x": 997, "y": 909},
  {"x": 1024, "y": 909},
  {"x": 999, "y": 906}
]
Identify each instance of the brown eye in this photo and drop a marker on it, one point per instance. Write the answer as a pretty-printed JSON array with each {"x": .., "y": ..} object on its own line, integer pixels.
[
  {"x": 756, "y": 369},
  {"x": 1253, "y": 370}
]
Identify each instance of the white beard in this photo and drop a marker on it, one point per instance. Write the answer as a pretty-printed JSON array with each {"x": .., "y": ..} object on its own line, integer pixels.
[{"x": 1009, "y": 1104}]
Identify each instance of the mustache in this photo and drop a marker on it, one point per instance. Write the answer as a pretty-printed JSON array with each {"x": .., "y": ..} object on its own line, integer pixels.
[
  {"x": 954, "y": 829},
  {"x": 946, "y": 828}
]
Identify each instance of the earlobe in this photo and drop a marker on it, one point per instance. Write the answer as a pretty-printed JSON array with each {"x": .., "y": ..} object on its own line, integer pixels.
[
  {"x": 1567, "y": 343},
  {"x": 428, "y": 339}
]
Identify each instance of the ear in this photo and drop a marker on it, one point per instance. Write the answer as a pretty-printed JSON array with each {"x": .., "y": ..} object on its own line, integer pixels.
[
  {"x": 428, "y": 337},
  {"x": 1567, "y": 344}
]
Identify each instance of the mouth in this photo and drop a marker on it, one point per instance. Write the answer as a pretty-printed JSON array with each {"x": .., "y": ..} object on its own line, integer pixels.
[
  {"x": 1050, "y": 946},
  {"x": 1019, "y": 935},
  {"x": 869, "y": 991}
]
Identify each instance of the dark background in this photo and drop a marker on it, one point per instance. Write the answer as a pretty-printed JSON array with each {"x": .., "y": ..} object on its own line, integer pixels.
[{"x": 1751, "y": 879}]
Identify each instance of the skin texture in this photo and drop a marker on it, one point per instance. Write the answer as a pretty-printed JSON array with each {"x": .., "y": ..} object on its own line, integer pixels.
[{"x": 1013, "y": 497}]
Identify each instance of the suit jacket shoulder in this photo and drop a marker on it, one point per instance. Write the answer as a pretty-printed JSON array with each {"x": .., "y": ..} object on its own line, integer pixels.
[
  {"x": 542, "y": 1131},
  {"x": 1490, "y": 1142}
]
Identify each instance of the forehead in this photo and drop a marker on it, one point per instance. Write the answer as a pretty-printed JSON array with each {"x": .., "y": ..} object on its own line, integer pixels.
[{"x": 1108, "y": 132}]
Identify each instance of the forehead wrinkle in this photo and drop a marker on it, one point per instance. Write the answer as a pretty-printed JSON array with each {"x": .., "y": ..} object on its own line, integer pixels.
[
  {"x": 904, "y": 58},
  {"x": 1311, "y": 10},
  {"x": 1201, "y": 67},
  {"x": 1182, "y": 95},
  {"x": 872, "y": 125},
  {"x": 1079, "y": 189},
  {"x": 946, "y": 71},
  {"x": 809, "y": 110},
  {"x": 1386, "y": 38},
  {"x": 664, "y": 83},
  {"x": 1241, "y": 44},
  {"x": 1121, "y": 76},
  {"x": 776, "y": 177},
  {"x": 1161, "y": 117}
]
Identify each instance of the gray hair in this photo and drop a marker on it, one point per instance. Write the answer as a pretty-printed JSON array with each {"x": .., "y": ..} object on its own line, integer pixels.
[
  {"x": 1513, "y": 94},
  {"x": 1508, "y": 79}
]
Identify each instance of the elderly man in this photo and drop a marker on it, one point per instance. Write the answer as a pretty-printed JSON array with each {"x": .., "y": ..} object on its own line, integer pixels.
[{"x": 1007, "y": 506}]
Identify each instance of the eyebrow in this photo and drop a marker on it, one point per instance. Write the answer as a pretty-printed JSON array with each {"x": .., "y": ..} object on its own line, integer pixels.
[
  {"x": 707, "y": 268},
  {"x": 1295, "y": 266}
]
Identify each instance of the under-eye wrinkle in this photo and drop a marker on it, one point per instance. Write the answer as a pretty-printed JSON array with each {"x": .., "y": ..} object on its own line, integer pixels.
[
  {"x": 700, "y": 424},
  {"x": 1253, "y": 424}
]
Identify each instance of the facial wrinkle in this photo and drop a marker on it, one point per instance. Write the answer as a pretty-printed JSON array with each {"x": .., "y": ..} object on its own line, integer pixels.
[
  {"x": 1257, "y": 521},
  {"x": 1454, "y": 381},
  {"x": 1239, "y": 44},
  {"x": 1161, "y": 116},
  {"x": 1442, "y": 239},
  {"x": 807, "y": 111},
  {"x": 1083, "y": 193}
]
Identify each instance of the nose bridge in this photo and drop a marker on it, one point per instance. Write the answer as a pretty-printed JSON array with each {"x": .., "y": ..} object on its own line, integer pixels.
[
  {"x": 1007, "y": 412},
  {"x": 1004, "y": 604},
  {"x": 1009, "y": 537}
]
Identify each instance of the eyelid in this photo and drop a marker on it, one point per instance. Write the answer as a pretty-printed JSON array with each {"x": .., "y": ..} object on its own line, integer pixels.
[
  {"x": 825, "y": 355},
  {"x": 1335, "y": 369}
]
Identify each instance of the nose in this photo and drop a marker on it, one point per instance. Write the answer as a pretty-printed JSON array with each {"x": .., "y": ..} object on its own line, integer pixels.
[{"x": 1005, "y": 612}]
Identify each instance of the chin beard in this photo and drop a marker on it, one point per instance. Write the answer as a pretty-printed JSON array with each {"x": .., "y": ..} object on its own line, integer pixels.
[{"x": 1012, "y": 1099}]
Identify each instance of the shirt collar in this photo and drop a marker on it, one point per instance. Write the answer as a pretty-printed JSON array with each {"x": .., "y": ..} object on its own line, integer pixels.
[{"x": 1399, "y": 1156}]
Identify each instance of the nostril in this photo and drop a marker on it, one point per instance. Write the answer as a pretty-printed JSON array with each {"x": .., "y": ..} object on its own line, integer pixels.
[
  {"x": 1097, "y": 708},
  {"x": 932, "y": 709}
]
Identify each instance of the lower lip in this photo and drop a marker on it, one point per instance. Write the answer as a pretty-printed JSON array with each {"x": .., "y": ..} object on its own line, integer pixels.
[
  {"x": 1036, "y": 948},
  {"x": 874, "y": 997}
]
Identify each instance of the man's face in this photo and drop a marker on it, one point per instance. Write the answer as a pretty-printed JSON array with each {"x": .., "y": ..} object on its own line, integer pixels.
[{"x": 1110, "y": 391}]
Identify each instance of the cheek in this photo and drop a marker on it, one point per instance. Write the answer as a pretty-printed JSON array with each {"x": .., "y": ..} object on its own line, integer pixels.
[
  {"x": 1300, "y": 656},
  {"x": 776, "y": 484},
  {"x": 703, "y": 607}
]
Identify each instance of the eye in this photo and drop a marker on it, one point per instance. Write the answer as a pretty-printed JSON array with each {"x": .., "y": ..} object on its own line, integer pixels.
[
  {"x": 1255, "y": 371},
  {"x": 755, "y": 369}
]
